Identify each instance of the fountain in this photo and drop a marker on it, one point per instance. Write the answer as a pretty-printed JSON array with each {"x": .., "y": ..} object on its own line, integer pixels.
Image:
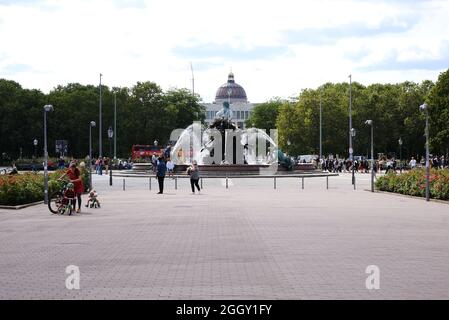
[{"x": 222, "y": 147}]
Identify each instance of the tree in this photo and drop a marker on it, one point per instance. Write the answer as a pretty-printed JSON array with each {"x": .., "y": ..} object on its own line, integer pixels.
[
  {"x": 438, "y": 102},
  {"x": 264, "y": 115}
]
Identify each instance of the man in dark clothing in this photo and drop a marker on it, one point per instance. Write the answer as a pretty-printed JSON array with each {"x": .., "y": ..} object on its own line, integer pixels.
[{"x": 160, "y": 173}]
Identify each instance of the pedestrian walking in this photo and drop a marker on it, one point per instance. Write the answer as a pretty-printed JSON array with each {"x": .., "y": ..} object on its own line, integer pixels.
[
  {"x": 194, "y": 173},
  {"x": 160, "y": 173}
]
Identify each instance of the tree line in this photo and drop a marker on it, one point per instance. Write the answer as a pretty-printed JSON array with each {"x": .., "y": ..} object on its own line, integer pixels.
[
  {"x": 144, "y": 113},
  {"x": 394, "y": 109}
]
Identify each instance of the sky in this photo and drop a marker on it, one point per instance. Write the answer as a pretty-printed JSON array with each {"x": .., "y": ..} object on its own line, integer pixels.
[{"x": 274, "y": 48}]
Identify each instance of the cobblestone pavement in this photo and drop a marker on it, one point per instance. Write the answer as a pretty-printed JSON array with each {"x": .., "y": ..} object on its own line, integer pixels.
[{"x": 250, "y": 241}]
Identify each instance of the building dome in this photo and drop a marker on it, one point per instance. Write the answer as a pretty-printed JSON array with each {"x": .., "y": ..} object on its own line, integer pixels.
[{"x": 231, "y": 90}]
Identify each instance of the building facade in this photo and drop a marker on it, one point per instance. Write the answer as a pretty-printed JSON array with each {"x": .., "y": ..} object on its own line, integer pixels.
[{"x": 236, "y": 96}]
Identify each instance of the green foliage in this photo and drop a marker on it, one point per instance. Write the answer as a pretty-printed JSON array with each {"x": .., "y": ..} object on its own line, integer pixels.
[
  {"x": 414, "y": 183},
  {"x": 29, "y": 187},
  {"x": 144, "y": 113},
  {"x": 264, "y": 115},
  {"x": 394, "y": 109}
]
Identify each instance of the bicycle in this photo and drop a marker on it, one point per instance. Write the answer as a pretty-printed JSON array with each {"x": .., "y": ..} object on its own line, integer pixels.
[{"x": 58, "y": 202}]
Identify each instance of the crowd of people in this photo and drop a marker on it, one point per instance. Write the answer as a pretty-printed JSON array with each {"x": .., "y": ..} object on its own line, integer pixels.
[{"x": 363, "y": 165}]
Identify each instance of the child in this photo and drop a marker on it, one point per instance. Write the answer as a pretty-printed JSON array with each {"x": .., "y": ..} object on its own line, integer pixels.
[
  {"x": 93, "y": 200},
  {"x": 69, "y": 198},
  {"x": 170, "y": 166}
]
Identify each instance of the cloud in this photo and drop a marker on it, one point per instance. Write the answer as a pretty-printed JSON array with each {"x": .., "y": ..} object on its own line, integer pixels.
[
  {"x": 228, "y": 53},
  {"x": 12, "y": 69},
  {"x": 393, "y": 61},
  {"x": 274, "y": 48},
  {"x": 331, "y": 35}
]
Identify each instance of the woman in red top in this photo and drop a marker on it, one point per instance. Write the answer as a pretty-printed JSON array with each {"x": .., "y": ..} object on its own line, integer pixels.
[{"x": 75, "y": 177}]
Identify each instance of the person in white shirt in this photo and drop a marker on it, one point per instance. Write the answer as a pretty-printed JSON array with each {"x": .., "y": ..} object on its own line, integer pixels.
[
  {"x": 412, "y": 163},
  {"x": 170, "y": 166}
]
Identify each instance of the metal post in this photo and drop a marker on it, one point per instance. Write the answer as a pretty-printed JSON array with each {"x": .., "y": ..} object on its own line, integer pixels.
[
  {"x": 110, "y": 162},
  {"x": 100, "y": 144},
  {"x": 115, "y": 125},
  {"x": 354, "y": 183},
  {"x": 176, "y": 183},
  {"x": 350, "y": 126},
  {"x": 372, "y": 157},
  {"x": 201, "y": 183},
  {"x": 45, "y": 160},
  {"x": 149, "y": 183},
  {"x": 274, "y": 181},
  {"x": 123, "y": 184},
  {"x": 427, "y": 158},
  {"x": 303, "y": 182},
  {"x": 321, "y": 126},
  {"x": 226, "y": 181},
  {"x": 327, "y": 182}
]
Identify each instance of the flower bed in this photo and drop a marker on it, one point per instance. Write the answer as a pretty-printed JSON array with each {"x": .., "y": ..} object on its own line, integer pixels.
[
  {"x": 413, "y": 183},
  {"x": 29, "y": 187}
]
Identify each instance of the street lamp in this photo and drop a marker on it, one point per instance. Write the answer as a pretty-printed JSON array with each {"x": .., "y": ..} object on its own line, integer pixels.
[
  {"x": 115, "y": 124},
  {"x": 424, "y": 108},
  {"x": 400, "y": 154},
  {"x": 92, "y": 124},
  {"x": 100, "y": 142},
  {"x": 35, "y": 148},
  {"x": 352, "y": 134},
  {"x": 47, "y": 108},
  {"x": 110, "y": 135},
  {"x": 370, "y": 123},
  {"x": 321, "y": 125}
]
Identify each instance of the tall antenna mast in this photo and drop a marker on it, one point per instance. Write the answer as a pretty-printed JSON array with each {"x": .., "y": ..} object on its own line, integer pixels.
[{"x": 193, "y": 79}]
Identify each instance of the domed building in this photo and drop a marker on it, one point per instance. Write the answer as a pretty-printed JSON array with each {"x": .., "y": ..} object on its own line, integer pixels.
[{"x": 236, "y": 96}]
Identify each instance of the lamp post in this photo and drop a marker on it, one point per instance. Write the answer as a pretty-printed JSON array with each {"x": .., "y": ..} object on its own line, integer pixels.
[
  {"x": 47, "y": 108},
  {"x": 35, "y": 148},
  {"x": 424, "y": 108},
  {"x": 115, "y": 125},
  {"x": 352, "y": 134},
  {"x": 321, "y": 126},
  {"x": 92, "y": 124},
  {"x": 110, "y": 135},
  {"x": 100, "y": 144},
  {"x": 400, "y": 154},
  {"x": 351, "y": 151},
  {"x": 370, "y": 123}
]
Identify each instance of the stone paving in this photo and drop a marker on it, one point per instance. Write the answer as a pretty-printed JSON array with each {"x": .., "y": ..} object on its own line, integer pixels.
[{"x": 246, "y": 242}]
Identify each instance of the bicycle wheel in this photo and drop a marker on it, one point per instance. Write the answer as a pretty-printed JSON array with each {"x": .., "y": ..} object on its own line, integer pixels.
[{"x": 55, "y": 201}]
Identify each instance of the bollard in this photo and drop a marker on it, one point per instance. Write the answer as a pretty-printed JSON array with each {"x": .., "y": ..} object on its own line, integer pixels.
[
  {"x": 149, "y": 184},
  {"x": 201, "y": 183},
  {"x": 303, "y": 182},
  {"x": 327, "y": 182},
  {"x": 176, "y": 183},
  {"x": 110, "y": 177},
  {"x": 274, "y": 181},
  {"x": 123, "y": 184},
  {"x": 354, "y": 183},
  {"x": 226, "y": 181}
]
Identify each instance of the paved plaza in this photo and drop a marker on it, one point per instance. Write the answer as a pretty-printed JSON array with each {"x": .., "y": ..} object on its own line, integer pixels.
[{"x": 250, "y": 241}]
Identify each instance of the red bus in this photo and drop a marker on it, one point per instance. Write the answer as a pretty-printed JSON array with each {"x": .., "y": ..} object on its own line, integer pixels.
[{"x": 140, "y": 151}]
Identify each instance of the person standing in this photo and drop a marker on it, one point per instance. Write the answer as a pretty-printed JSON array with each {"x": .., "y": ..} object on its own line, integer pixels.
[
  {"x": 74, "y": 175},
  {"x": 160, "y": 173},
  {"x": 194, "y": 174},
  {"x": 106, "y": 165},
  {"x": 170, "y": 166}
]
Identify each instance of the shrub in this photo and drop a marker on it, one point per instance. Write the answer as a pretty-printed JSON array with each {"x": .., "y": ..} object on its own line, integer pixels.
[
  {"x": 414, "y": 183},
  {"x": 29, "y": 187}
]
